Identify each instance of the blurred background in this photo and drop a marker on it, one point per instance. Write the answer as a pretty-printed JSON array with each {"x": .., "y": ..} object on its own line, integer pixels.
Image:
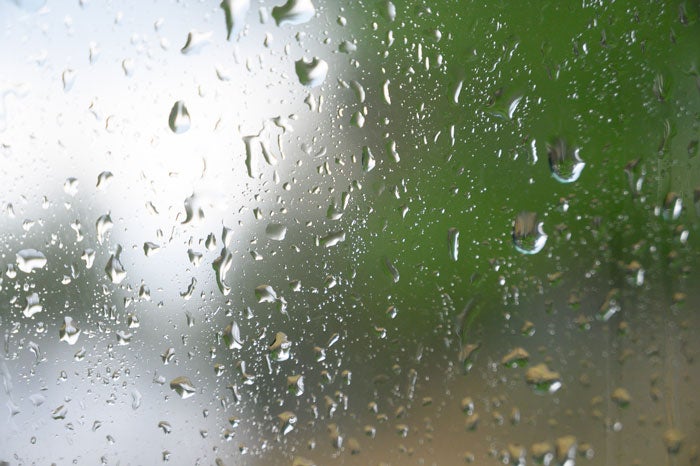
[{"x": 377, "y": 232}]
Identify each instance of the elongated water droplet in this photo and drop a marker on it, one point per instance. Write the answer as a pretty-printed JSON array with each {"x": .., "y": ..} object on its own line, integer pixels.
[
  {"x": 294, "y": 12},
  {"x": 114, "y": 268},
  {"x": 368, "y": 161},
  {"x": 179, "y": 120},
  {"x": 103, "y": 225},
  {"x": 68, "y": 78},
  {"x": 528, "y": 235},
  {"x": 235, "y": 12},
  {"x": 453, "y": 243},
  {"x": 221, "y": 266},
  {"x": 232, "y": 336},
  {"x": 311, "y": 73},
  {"x": 391, "y": 269},
  {"x": 29, "y": 260},
  {"x": 565, "y": 163}
]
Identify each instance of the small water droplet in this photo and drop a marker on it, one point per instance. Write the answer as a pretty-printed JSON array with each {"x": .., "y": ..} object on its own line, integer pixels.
[{"x": 179, "y": 120}]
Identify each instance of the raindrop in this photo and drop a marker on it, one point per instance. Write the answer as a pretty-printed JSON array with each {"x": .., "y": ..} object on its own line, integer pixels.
[
  {"x": 453, "y": 243},
  {"x": 528, "y": 235},
  {"x": 68, "y": 78},
  {"x": 89, "y": 257},
  {"x": 187, "y": 294},
  {"x": 565, "y": 163},
  {"x": 70, "y": 186},
  {"x": 517, "y": 357},
  {"x": 69, "y": 331},
  {"x": 103, "y": 179},
  {"x": 294, "y": 12},
  {"x": 287, "y": 421},
  {"x": 32, "y": 306},
  {"x": 276, "y": 231},
  {"x": 280, "y": 347},
  {"x": 673, "y": 206},
  {"x": 179, "y": 120},
  {"x": 673, "y": 439},
  {"x": 332, "y": 239},
  {"x": 29, "y": 260},
  {"x": 391, "y": 270},
  {"x": 265, "y": 294},
  {"x": 368, "y": 161},
  {"x": 195, "y": 41},
  {"x": 114, "y": 268},
  {"x": 221, "y": 266},
  {"x": 150, "y": 249},
  {"x": 183, "y": 387},
  {"x": 621, "y": 397},
  {"x": 542, "y": 378},
  {"x": 235, "y": 12},
  {"x": 295, "y": 384},
  {"x": 123, "y": 337},
  {"x": 103, "y": 225},
  {"x": 232, "y": 336},
  {"x": 311, "y": 73}
]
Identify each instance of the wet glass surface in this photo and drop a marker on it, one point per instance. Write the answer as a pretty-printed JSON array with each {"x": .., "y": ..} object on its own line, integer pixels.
[{"x": 366, "y": 232}]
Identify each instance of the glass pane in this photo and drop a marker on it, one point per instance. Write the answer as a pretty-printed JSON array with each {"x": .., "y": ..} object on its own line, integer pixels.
[{"x": 369, "y": 232}]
